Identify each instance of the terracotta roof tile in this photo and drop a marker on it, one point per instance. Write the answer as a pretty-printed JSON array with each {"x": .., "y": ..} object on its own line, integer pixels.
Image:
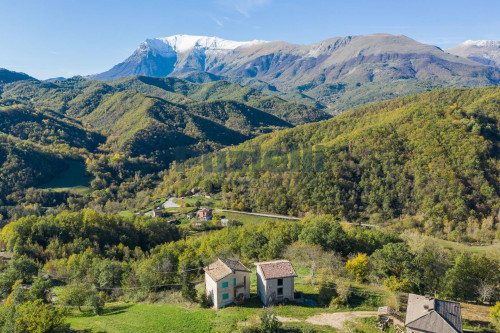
[
  {"x": 223, "y": 267},
  {"x": 276, "y": 269}
]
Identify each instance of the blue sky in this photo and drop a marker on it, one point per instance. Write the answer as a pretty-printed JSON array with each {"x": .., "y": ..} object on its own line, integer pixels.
[{"x": 50, "y": 38}]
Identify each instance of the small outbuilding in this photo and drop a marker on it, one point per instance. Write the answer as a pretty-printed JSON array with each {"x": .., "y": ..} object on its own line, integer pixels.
[
  {"x": 227, "y": 281},
  {"x": 275, "y": 281},
  {"x": 431, "y": 315},
  {"x": 157, "y": 212}
]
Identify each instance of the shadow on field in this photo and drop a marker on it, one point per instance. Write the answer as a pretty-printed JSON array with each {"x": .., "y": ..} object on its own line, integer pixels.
[
  {"x": 107, "y": 311},
  {"x": 115, "y": 309}
]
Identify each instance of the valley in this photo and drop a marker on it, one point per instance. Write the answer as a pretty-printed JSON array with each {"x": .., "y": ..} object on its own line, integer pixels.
[{"x": 211, "y": 185}]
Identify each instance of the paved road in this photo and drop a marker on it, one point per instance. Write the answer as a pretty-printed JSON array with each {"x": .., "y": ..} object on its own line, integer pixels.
[
  {"x": 170, "y": 203},
  {"x": 259, "y": 214}
]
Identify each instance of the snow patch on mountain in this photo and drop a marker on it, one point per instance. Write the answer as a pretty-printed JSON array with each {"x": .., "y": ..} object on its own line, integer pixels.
[
  {"x": 185, "y": 43},
  {"x": 481, "y": 43}
]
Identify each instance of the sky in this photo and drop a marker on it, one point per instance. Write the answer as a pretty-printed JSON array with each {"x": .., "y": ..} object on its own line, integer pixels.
[{"x": 53, "y": 38}]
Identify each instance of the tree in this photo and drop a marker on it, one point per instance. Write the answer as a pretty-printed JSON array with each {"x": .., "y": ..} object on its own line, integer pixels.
[
  {"x": 326, "y": 232},
  {"x": 40, "y": 289},
  {"x": 485, "y": 291},
  {"x": 188, "y": 290},
  {"x": 25, "y": 268},
  {"x": 358, "y": 267},
  {"x": 468, "y": 272},
  {"x": 315, "y": 258},
  {"x": 394, "y": 259},
  {"x": 269, "y": 322},
  {"x": 396, "y": 285},
  {"x": 343, "y": 290},
  {"x": 495, "y": 316},
  {"x": 96, "y": 301},
  {"x": 253, "y": 244},
  {"x": 75, "y": 295},
  {"x": 35, "y": 316},
  {"x": 326, "y": 292}
]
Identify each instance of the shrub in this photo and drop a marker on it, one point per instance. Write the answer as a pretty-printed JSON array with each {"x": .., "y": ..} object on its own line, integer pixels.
[{"x": 269, "y": 322}]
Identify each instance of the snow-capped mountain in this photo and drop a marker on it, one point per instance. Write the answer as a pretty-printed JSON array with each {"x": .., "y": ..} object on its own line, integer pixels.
[
  {"x": 338, "y": 72},
  {"x": 175, "y": 55},
  {"x": 186, "y": 43},
  {"x": 484, "y": 51}
]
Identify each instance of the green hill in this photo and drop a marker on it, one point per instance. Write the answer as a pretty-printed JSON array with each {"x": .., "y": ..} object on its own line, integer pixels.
[
  {"x": 181, "y": 91},
  {"x": 45, "y": 128},
  {"x": 7, "y": 76},
  {"x": 155, "y": 120},
  {"x": 24, "y": 165},
  {"x": 434, "y": 155}
]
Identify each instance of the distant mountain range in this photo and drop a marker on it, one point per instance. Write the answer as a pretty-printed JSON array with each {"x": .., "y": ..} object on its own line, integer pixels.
[
  {"x": 338, "y": 73},
  {"x": 483, "y": 51}
]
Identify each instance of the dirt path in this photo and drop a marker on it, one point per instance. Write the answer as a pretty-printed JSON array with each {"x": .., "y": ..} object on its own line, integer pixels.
[{"x": 335, "y": 320}]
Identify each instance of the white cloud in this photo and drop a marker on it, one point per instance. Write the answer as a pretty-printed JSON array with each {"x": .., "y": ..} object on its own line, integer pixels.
[
  {"x": 217, "y": 21},
  {"x": 244, "y": 7}
]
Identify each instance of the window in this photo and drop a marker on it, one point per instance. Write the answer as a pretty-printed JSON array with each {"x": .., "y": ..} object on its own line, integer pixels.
[
  {"x": 234, "y": 282},
  {"x": 225, "y": 284},
  {"x": 280, "y": 291},
  {"x": 245, "y": 281},
  {"x": 280, "y": 282},
  {"x": 225, "y": 296}
]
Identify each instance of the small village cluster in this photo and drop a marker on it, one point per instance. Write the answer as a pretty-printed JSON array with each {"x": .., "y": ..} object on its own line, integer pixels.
[{"x": 228, "y": 281}]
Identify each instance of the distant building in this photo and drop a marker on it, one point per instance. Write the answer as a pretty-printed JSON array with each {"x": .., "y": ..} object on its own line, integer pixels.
[
  {"x": 430, "y": 315},
  {"x": 205, "y": 214},
  {"x": 224, "y": 222},
  {"x": 173, "y": 222},
  {"x": 189, "y": 216},
  {"x": 157, "y": 212},
  {"x": 275, "y": 281},
  {"x": 227, "y": 281}
]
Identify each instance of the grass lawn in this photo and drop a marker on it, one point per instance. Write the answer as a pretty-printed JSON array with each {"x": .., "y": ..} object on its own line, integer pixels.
[
  {"x": 138, "y": 317},
  {"x": 488, "y": 250},
  {"x": 245, "y": 218},
  {"x": 205, "y": 202},
  {"x": 73, "y": 179}
]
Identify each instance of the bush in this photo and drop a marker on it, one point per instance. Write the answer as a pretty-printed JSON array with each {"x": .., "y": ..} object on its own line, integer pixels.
[
  {"x": 35, "y": 316},
  {"x": 205, "y": 301},
  {"x": 495, "y": 316},
  {"x": 326, "y": 293},
  {"x": 269, "y": 322},
  {"x": 96, "y": 301}
]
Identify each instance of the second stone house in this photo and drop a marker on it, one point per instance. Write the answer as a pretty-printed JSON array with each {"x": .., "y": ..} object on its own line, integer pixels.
[{"x": 275, "y": 281}]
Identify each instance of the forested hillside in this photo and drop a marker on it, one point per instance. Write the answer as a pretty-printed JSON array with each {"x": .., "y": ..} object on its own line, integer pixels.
[
  {"x": 433, "y": 156},
  {"x": 140, "y": 121}
]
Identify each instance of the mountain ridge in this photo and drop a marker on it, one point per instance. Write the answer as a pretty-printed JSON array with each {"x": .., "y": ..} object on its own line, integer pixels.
[
  {"x": 339, "y": 73},
  {"x": 486, "y": 52}
]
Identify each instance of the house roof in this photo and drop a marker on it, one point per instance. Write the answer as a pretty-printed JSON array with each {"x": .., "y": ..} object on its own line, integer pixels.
[
  {"x": 223, "y": 267},
  {"x": 433, "y": 315},
  {"x": 207, "y": 210},
  {"x": 276, "y": 269}
]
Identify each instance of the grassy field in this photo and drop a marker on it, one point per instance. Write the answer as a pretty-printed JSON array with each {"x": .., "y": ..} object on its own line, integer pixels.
[
  {"x": 138, "y": 317},
  {"x": 245, "y": 218},
  {"x": 73, "y": 179},
  {"x": 205, "y": 202},
  {"x": 492, "y": 250}
]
